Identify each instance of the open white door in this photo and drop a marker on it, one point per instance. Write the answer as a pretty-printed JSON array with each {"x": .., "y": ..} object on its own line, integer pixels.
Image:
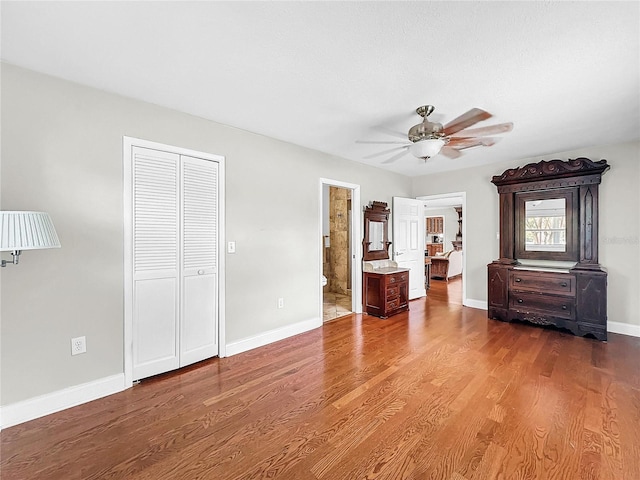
[{"x": 408, "y": 242}]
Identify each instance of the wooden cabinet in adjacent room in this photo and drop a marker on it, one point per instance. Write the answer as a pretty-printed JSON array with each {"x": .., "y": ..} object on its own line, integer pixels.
[
  {"x": 386, "y": 291},
  {"x": 435, "y": 225},
  {"x": 434, "y": 235}
]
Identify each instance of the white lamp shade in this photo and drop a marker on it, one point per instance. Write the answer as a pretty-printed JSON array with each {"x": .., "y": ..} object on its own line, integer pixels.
[
  {"x": 426, "y": 148},
  {"x": 26, "y": 231}
]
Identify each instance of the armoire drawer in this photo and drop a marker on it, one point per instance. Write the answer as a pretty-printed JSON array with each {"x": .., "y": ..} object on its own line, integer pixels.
[
  {"x": 557, "y": 283},
  {"x": 562, "y": 307}
]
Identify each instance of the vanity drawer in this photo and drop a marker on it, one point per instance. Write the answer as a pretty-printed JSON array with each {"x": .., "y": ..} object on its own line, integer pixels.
[
  {"x": 543, "y": 282},
  {"x": 563, "y": 307},
  {"x": 398, "y": 277},
  {"x": 393, "y": 303},
  {"x": 393, "y": 291}
]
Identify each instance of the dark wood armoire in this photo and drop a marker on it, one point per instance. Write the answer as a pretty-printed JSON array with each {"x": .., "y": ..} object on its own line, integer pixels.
[{"x": 548, "y": 271}]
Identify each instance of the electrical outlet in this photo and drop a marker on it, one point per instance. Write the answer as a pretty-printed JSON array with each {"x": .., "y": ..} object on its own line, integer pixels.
[
  {"x": 231, "y": 247},
  {"x": 78, "y": 345},
  {"x": 281, "y": 302}
]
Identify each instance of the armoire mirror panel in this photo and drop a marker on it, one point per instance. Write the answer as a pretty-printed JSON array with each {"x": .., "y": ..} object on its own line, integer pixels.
[{"x": 546, "y": 227}]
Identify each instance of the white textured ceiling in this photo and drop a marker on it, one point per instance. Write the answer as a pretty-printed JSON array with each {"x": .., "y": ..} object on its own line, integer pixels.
[{"x": 325, "y": 74}]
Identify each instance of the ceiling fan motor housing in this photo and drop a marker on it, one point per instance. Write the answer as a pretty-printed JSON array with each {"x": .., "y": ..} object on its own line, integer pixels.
[{"x": 425, "y": 129}]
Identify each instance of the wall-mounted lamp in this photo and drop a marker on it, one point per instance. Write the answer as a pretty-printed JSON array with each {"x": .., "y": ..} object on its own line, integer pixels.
[{"x": 25, "y": 231}]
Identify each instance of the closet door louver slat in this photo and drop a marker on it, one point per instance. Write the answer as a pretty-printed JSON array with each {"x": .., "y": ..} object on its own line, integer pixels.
[
  {"x": 200, "y": 221},
  {"x": 155, "y": 213}
]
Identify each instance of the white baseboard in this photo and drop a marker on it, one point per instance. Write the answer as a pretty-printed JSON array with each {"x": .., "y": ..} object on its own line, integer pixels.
[
  {"x": 272, "y": 336},
  {"x": 623, "y": 328},
  {"x": 479, "y": 304},
  {"x": 37, "y": 407}
]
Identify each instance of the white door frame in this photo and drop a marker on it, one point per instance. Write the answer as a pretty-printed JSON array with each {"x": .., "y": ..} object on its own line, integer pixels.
[
  {"x": 465, "y": 301},
  {"x": 356, "y": 245},
  {"x": 127, "y": 147}
]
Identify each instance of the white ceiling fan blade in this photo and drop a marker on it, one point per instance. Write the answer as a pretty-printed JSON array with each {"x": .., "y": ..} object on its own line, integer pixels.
[
  {"x": 488, "y": 130},
  {"x": 392, "y": 133},
  {"x": 450, "y": 152},
  {"x": 399, "y": 155},
  {"x": 385, "y": 152}
]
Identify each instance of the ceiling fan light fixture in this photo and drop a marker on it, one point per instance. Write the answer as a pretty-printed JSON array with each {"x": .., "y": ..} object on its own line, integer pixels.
[{"x": 427, "y": 148}]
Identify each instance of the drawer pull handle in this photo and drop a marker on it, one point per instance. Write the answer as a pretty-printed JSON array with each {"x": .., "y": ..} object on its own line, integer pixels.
[
  {"x": 564, "y": 307},
  {"x": 518, "y": 280},
  {"x": 520, "y": 300},
  {"x": 392, "y": 280},
  {"x": 563, "y": 284}
]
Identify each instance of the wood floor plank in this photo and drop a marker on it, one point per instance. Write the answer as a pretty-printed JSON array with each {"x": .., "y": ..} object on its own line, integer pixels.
[{"x": 439, "y": 392}]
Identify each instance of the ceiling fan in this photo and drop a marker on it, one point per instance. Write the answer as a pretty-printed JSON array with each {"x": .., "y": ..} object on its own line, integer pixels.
[{"x": 428, "y": 139}]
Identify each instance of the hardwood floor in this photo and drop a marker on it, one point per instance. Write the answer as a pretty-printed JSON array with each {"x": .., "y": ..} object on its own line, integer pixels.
[
  {"x": 446, "y": 291},
  {"x": 438, "y": 392}
]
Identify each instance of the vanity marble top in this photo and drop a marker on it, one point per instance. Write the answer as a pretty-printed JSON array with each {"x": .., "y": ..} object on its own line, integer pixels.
[{"x": 387, "y": 270}]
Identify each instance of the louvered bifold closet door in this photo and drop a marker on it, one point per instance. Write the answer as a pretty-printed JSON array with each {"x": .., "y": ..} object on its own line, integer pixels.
[
  {"x": 199, "y": 332},
  {"x": 156, "y": 238}
]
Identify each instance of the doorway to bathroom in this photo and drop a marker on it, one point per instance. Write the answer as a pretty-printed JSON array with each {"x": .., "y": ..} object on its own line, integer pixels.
[{"x": 340, "y": 234}]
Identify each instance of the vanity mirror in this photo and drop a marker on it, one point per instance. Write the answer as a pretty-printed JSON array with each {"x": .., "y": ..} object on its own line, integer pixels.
[
  {"x": 375, "y": 245},
  {"x": 376, "y": 235},
  {"x": 548, "y": 271}
]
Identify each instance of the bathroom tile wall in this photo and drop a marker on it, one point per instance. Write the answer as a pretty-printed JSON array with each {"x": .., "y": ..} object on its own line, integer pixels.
[{"x": 338, "y": 254}]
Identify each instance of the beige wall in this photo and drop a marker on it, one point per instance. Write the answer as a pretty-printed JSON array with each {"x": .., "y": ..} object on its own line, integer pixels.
[
  {"x": 62, "y": 153},
  {"x": 619, "y": 221}
]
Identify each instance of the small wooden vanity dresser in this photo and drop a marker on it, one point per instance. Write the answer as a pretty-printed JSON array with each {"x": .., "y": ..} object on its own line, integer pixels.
[
  {"x": 548, "y": 271},
  {"x": 386, "y": 290},
  {"x": 385, "y": 287}
]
